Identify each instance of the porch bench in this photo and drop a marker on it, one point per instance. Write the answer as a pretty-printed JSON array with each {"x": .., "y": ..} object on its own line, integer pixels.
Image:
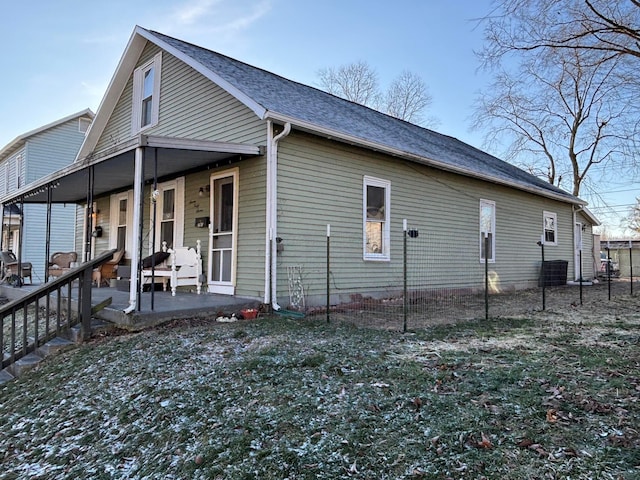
[
  {"x": 156, "y": 268},
  {"x": 183, "y": 267}
]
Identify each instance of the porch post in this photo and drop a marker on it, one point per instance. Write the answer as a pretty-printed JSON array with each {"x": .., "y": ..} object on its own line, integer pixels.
[
  {"x": 153, "y": 214},
  {"x": 20, "y": 230},
  {"x": 2, "y": 229},
  {"x": 89, "y": 216},
  {"x": 136, "y": 230},
  {"x": 47, "y": 241}
]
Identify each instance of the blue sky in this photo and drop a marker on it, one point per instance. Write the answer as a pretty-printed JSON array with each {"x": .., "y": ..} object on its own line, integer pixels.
[{"x": 58, "y": 57}]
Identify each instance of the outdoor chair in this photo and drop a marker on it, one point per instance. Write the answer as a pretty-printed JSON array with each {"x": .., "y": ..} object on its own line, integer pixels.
[
  {"x": 60, "y": 263},
  {"x": 10, "y": 266},
  {"x": 109, "y": 270}
]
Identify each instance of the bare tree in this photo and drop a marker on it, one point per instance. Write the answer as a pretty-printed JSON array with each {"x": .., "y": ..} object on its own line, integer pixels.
[
  {"x": 561, "y": 113},
  {"x": 356, "y": 82},
  {"x": 634, "y": 218},
  {"x": 611, "y": 27},
  {"x": 407, "y": 97}
]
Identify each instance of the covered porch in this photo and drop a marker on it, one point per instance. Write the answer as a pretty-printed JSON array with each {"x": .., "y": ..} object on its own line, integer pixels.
[{"x": 137, "y": 166}]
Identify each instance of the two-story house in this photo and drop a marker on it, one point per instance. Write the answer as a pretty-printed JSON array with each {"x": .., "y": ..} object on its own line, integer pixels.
[{"x": 26, "y": 159}]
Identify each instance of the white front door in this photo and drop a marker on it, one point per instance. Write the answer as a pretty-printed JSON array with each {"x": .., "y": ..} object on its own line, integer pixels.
[
  {"x": 223, "y": 232},
  {"x": 577, "y": 242}
]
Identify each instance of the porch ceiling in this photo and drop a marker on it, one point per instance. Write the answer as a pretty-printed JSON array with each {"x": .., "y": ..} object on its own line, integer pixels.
[{"x": 116, "y": 172}]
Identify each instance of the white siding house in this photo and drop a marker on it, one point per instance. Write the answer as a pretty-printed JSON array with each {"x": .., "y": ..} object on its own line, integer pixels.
[{"x": 23, "y": 161}]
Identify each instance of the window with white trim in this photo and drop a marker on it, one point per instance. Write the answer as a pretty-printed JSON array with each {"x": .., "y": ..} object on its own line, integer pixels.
[
  {"x": 120, "y": 221},
  {"x": 550, "y": 228},
  {"x": 170, "y": 214},
  {"x": 19, "y": 171},
  {"x": 376, "y": 202},
  {"x": 3, "y": 178},
  {"x": 146, "y": 94},
  {"x": 83, "y": 124},
  {"x": 487, "y": 230}
]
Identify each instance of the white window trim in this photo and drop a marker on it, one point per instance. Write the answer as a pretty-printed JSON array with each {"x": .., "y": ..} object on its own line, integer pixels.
[
  {"x": 81, "y": 252},
  {"x": 138, "y": 80},
  {"x": 20, "y": 171},
  {"x": 178, "y": 224},
  {"x": 546, "y": 214},
  {"x": 385, "y": 256},
  {"x": 83, "y": 124},
  {"x": 114, "y": 210},
  {"x": 492, "y": 204},
  {"x": 3, "y": 178}
]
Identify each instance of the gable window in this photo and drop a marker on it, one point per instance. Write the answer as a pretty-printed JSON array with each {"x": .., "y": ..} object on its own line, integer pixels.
[
  {"x": 83, "y": 124},
  {"x": 376, "y": 199},
  {"x": 146, "y": 94},
  {"x": 550, "y": 227},
  {"x": 487, "y": 230}
]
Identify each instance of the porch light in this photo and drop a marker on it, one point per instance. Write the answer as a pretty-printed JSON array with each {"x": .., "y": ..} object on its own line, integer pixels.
[{"x": 204, "y": 189}]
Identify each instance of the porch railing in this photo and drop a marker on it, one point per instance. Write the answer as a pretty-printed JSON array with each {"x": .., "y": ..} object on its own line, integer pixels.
[{"x": 49, "y": 311}]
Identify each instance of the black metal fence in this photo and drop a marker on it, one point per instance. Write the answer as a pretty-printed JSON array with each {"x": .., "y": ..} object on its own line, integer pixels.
[{"x": 441, "y": 280}]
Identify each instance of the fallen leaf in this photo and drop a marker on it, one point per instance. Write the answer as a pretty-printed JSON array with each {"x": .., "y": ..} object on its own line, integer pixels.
[
  {"x": 552, "y": 415},
  {"x": 485, "y": 442},
  {"x": 536, "y": 447},
  {"x": 525, "y": 443}
]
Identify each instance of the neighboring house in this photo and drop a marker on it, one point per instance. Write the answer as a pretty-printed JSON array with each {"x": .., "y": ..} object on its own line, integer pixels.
[
  {"x": 26, "y": 159},
  {"x": 187, "y": 138},
  {"x": 622, "y": 253}
]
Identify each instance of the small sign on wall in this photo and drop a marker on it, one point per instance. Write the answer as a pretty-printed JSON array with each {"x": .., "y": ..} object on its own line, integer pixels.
[{"x": 202, "y": 222}]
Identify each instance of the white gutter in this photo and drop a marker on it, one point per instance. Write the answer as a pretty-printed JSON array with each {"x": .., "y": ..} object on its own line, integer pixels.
[
  {"x": 270, "y": 280},
  {"x": 135, "y": 231}
]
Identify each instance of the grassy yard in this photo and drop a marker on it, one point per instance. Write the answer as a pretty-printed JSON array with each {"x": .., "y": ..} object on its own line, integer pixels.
[{"x": 545, "y": 396}]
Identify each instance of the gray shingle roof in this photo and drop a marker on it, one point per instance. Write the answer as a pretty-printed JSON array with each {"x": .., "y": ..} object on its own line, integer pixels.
[{"x": 307, "y": 104}]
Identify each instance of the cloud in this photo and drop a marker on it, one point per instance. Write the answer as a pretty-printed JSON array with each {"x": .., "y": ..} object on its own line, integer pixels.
[
  {"x": 192, "y": 12},
  {"x": 259, "y": 10},
  {"x": 221, "y": 17}
]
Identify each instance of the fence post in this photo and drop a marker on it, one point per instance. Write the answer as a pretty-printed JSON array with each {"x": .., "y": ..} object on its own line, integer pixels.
[
  {"x": 580, "y": 270},
  {"x": 542, "y": 274},
  {"x": 328, "y": 271},
  {"x": 405, "y": 308},
  {"x": 631, "y": 266},
  {"x": 486, "y": 275},
  {"x": 609, "y": 269}
]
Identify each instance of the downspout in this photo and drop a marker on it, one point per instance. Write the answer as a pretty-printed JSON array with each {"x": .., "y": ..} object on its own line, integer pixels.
[
  {"x": 272, "y": 213},
  {"x": 137, "y": 197}
]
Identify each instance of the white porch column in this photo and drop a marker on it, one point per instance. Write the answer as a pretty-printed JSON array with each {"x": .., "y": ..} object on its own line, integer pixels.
[{"x": 135, "y": 231}]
